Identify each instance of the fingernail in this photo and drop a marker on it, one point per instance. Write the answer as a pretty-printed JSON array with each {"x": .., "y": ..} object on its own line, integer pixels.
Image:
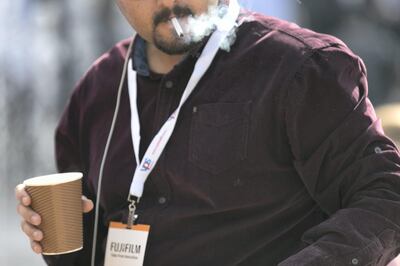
[
  {"x": 36, "y": 235},
  {"x": 37, "y": 249},
  {"x": 25, "y": 200},
  {"x": 35, "y": 219}
]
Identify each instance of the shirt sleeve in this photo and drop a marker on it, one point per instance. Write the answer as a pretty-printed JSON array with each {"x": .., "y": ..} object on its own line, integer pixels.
[
  {"x": 69, "y": 157},
  {"x": 349, "y": 167}
]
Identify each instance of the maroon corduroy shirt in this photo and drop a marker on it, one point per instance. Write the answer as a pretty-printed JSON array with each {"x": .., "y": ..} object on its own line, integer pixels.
[{"x": 276, "y": 156}]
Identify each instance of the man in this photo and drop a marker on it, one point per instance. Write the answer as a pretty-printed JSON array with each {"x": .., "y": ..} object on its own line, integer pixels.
[{"x": 276, "y": 156}]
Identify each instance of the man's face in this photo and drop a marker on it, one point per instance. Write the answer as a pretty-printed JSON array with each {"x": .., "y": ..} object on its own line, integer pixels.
[{"x": 151, "y": 20}]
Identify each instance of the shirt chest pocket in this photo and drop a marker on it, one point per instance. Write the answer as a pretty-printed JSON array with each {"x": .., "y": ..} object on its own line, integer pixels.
[{"x": 219, "y": 133}]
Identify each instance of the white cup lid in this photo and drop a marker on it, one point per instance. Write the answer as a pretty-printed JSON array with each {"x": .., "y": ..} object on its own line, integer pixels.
[{"x": 51, "y": 180}]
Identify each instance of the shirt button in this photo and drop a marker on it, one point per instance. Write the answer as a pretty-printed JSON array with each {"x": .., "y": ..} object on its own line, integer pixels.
[
  {"x": 354, "y": 261},
  {"x": 378, "y": 150},
  {"x": 162, "y": 200},
  {"x": 237, "y": 182},
  {"x": 169, "y": 84}
]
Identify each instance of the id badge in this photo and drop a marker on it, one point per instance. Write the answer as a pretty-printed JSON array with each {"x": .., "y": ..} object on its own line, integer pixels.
[{"x": 126, "y": 247}]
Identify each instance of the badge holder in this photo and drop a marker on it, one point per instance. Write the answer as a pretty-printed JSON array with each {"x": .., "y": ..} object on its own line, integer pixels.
[{"x": 126, "y": 243}]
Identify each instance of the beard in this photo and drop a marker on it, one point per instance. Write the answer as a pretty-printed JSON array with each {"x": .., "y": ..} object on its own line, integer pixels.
[
  {"x": 173, "y": 45},
  {"x": 169, "y": 42}
]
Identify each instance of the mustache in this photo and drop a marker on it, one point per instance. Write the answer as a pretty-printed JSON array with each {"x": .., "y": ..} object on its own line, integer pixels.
[{"x": 165, "y": 13}]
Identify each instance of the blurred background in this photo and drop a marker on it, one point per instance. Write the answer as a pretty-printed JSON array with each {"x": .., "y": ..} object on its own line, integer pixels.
[{"x": 46, "y": 46}]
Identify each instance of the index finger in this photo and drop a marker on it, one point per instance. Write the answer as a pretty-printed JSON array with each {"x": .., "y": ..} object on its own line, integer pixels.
[{"x": 21, "y": 195}]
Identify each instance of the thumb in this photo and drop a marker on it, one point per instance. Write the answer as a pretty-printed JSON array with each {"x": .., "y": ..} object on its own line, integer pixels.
[{"x": 87, "y": 204}]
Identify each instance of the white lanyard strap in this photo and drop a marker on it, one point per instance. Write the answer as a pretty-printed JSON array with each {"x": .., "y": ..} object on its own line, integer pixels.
[
  {"x": 159, "y": 142},
  {"x": 135, "y": 124}
]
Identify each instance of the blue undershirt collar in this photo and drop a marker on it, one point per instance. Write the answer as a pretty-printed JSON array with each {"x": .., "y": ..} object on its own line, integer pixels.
[{"x": 139, "y": 57}]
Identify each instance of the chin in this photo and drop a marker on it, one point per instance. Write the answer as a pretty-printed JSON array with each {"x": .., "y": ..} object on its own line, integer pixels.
[{"x": 171, "y": 44}]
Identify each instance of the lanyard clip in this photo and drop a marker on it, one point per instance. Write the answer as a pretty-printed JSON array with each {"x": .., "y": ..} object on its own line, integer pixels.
[
  {"x": 132, "y": 209},
  {"x": 132, "y": 198}
]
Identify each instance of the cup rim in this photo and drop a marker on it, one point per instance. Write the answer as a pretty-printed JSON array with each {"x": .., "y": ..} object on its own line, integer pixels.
[
  {"x": 53, "y": 179},
  {"x": 63, "y": 252}
]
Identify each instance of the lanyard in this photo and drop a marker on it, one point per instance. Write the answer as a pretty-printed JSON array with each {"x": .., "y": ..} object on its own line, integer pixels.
[{"x": 157, "y": 145}]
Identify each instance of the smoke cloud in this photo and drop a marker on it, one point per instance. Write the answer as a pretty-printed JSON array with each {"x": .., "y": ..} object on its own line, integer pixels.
[{"x": 198, "y": 27}]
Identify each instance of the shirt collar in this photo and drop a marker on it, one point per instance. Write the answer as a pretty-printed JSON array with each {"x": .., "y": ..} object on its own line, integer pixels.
[{"x": 139, "y": 55}]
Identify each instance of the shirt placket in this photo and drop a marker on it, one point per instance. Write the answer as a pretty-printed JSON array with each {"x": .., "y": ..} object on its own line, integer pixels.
[{"x": 166, "y": 103}]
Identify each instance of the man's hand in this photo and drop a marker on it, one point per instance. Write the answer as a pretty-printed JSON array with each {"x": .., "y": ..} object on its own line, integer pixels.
[{"x": 30, "y": 219}]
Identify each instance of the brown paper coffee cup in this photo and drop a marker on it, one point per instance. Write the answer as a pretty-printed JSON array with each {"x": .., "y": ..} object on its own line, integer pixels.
[{"x": 57, "y": 199}]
